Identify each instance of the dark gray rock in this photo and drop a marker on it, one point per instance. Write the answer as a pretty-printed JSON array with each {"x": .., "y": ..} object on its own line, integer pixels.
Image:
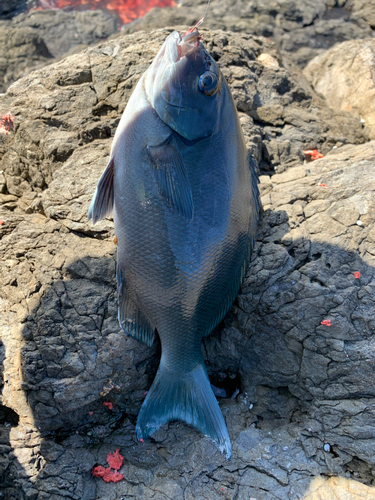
[
  {"x": 301, "y": 28},
  {"x": 299, "y": 386},
  {"x": 10, "y": 8},
  {"x": 62, "y": 30},
  {"x": 37, "y": 38},
  {"x": 21, "y": 51}
]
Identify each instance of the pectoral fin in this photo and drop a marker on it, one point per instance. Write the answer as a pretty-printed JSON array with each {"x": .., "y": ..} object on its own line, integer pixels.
[
  {"x": 131, "y": 319},
  {"x": 171, "y": 177},
  {"x": 102, "y": 202}
]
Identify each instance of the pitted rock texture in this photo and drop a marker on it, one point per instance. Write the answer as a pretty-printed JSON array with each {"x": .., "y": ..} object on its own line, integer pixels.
[
  {"x": 303, "y": 29},
  {"x": 303, "y": 402},
  {"x": 37, "y": 38},
  {"x": 79, "y": 101},
  {"x": 345, "y": 76},
  {"x": 306, "y": 403},
  {"x": 62, "y": 30},
  {"x": 9, "y": 8},
  {"x": 363, "y": 11},
  {"x": 20, "y": 50}
]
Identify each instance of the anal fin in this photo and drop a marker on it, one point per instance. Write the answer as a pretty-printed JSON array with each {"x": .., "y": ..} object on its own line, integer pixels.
[
  {"x": 102, "y": 202},
  {"x": 131, "y": 319}
]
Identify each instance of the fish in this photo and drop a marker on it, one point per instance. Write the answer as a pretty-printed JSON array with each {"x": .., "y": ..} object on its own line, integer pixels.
[{"x": 185, "y": 198}]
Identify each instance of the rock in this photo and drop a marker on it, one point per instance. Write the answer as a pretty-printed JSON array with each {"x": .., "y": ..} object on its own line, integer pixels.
[
  {"x": 363, "y": 11},
  {"x": 22, "y": 50},
  {"x": 301, "y": 29},
  {"x": 62, "y": 30},
  {"x": 338, "y": 487},
  {"x": 9, "y": 8},
  {"x": 80, "y": 100},
  {"x": 299, "y": 384},
  {"x": 34, "y": 39},
  {"x": 345, "y": 67}
]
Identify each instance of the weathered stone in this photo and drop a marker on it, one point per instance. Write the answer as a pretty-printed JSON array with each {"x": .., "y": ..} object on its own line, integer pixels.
[
  {"x": 79, "y": 100},
  {"x": 9, "y": 8},
  {"x": 338, "y": 487},
  {"x": 298, "y": 385},
  {"x": 363, "y": 11},
  {"x": 302, "y": 29},
  {"x": 343, "y": 68},
  {"x": 62, "y": 30},
  {"x": 21, "y": 50},
  {"x": 34, "y": 39}
]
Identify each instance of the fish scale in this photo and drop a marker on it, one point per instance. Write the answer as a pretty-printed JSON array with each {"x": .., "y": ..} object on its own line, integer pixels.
[{"x": 186, "y": 205}]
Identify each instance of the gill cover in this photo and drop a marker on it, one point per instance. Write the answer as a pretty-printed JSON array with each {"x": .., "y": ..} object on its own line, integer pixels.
[{"x": 175, "y": 86}]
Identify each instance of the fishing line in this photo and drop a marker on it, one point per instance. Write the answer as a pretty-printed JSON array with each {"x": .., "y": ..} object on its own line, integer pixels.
[{"x": 201, "y": 20}]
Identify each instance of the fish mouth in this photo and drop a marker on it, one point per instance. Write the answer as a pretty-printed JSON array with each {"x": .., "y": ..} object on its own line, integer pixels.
[{"x": 188, "y": 42}]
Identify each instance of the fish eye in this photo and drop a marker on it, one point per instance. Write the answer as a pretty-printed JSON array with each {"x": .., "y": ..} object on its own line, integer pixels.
[{"x": 208, "y": 83}]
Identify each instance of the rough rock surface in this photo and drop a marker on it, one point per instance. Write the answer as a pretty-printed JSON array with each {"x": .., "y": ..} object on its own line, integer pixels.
[
  {"x": 9, "y": 8},
  {"x": 303, "y": 29},
  {"x": 363, "y": 11},
  {"x": 304, "y": 400},
  {"x": 34, "y": 39},
  {"x": 62, "y": 30},
  {"x": 20, "y": 51},
  {"x": 345, "y": 76},
  {"x": 79, "y": 100}
]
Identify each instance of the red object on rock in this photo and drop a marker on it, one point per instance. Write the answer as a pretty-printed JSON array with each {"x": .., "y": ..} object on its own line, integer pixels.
[
  {"x": 313, "y": 153},
  {"x": 112, "y": 475},
  {"x": 91, "y": 413},
  {"x": 6, "y": 123},
  {"x": 357, "y": 275},
  {"x": 115, "y": 459},
  {"x": 99, "y": 471},
  {"x": 326, "y": 322},
  {"x": 108, "y": 404},
  {"x": 127, "y": 10},
  {"x": 107, "y": 474},
  {"x": 322, "y": 185},
  {"x": 141, "y": 440},
  {"x": 1, "y": 222}
]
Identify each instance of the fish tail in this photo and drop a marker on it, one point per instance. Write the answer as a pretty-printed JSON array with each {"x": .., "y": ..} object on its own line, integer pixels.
[{"x": 188, "y": 398}]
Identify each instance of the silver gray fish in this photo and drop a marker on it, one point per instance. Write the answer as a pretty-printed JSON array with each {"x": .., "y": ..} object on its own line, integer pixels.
[{"x": 185, "y": 199}]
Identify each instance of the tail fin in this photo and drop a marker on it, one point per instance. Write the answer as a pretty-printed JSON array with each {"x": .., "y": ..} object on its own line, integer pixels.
[{"x": 188, "y": 398}]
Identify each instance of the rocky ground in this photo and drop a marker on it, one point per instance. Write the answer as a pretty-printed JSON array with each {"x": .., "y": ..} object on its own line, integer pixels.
[
  {"x": 300, "y": 395},
  {"x": 344, "y": 75},
  {"x": 34, "y": 39},
  {"x": 303, "y": 29}
]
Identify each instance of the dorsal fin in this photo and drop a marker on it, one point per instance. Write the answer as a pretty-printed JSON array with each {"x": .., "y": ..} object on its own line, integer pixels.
[{"x": 102, "y": 202}]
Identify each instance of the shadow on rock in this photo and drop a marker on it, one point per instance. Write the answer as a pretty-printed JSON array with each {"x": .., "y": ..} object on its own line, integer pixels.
[
  {"x": 305, "y": 405},
  {"x": 76, "y": 357},
  {"x": 10, "y": 469}
]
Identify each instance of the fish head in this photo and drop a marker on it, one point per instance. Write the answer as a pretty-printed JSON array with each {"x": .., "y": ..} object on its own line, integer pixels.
[{"x": 185, "y": 86}]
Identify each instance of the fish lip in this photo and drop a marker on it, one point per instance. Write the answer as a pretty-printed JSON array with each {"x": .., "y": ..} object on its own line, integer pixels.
[{"x": 188, "y": 43}]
